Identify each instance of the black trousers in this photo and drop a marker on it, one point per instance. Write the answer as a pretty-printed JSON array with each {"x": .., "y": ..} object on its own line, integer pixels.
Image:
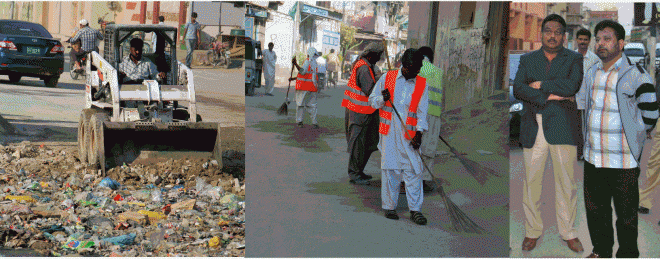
[
  {"x": 601, "y": 186},
  {"x": 362, "y": 140}
]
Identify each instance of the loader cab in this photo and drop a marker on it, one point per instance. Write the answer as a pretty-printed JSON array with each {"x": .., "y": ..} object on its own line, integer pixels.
[{"x": 117, "y": 46}]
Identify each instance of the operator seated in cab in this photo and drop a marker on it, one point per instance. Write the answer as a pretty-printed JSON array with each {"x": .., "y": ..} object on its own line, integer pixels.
[{"x": 135, "y": 68}]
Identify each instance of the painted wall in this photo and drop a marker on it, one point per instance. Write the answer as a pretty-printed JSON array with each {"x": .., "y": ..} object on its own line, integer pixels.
[
  {"x": 460, "y": 53},
  {"x": 280, "y": 30},
  {"x": 418, "y": 24}
]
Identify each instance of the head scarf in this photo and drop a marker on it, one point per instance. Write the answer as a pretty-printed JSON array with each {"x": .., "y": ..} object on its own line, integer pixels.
[{"x": 311, "y": 52}]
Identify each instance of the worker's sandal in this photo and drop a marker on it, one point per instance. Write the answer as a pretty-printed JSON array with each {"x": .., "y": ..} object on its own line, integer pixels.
[
  {"x": 391, "y": 214},
  {"x": 300, "y": 124},
  {"x": 417, "y": 217}
]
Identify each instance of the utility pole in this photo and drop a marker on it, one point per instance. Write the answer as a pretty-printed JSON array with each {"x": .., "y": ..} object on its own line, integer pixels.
[
  {"x": 156, "y": 12},
  {"x": 13, "y": 3}
]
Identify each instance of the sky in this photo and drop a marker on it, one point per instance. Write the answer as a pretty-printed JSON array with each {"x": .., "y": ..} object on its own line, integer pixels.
[{"x": 626, "y": 12}]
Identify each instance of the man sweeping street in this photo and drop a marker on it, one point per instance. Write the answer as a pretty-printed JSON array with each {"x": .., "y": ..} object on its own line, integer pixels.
[
  {"x": 306, "y": 89},
  {"x": 361, "y": 120},
  {"x": 399, "y": 159}
]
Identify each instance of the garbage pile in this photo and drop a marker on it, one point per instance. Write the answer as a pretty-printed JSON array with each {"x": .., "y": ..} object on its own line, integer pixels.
[{"x": 56, "y": 206}]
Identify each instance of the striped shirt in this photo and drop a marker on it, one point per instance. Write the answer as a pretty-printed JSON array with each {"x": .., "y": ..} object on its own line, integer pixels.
[
  {"x": 87, "y": 37},
  {"x": 606, "y": 144},
  {"x": 144, "y": 69}
]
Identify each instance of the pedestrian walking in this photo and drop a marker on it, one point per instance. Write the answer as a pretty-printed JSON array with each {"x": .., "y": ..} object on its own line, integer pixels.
[
  {"x": 333, "y": 67},
  {"x": 154, "y": 37},
  {"x": 192, "y": 37},
  {"x": 620, "y": 110},
  {"x": 399, "y": 161},
  {"x": 270, "y": 60},
  {"x": 321, "y": 72},
  {"x": 546, "y": 83},
  {"x": 306, "y": 87},
  {"x": 360, "y": 119}
]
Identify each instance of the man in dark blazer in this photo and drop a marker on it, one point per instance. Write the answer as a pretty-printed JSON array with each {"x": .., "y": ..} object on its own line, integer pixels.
[{"x": 546, "y": 82}]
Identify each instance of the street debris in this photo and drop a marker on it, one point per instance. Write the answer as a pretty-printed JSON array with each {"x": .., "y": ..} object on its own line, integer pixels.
[{"x": 54, "y": 205}]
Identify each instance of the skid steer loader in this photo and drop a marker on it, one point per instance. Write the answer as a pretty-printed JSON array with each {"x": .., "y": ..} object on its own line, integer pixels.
[{"x": 122, "y": 119}]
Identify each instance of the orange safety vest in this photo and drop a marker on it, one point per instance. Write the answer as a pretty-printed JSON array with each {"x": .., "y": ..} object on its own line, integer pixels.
[
  {"x": 354, "y": 99},
  {"x": 386, "y": 110},
  {"x": 305, "y": 82}
]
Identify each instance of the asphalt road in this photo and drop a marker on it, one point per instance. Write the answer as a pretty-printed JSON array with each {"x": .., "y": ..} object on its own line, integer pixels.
[
  {"x": 302, "y": 205},
  {"x": 31, "y": 107},
  {"x": 550, "y": 244}
]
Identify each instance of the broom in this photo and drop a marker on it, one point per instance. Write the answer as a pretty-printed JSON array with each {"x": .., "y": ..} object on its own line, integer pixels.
[
  {"x": 477, "y": 171},
  {"x": 284, "y": 109},
  {"x": 459, "y": 220}
]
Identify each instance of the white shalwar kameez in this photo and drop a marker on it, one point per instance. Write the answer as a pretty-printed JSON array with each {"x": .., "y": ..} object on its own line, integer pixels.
[
  {"x": 270, "y": 58},
  {"x": 306, "y": 100},
  {"x": 399, "y": 161}
]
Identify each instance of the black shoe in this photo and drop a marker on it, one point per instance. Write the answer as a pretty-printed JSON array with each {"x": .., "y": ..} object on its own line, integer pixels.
[
  {"x": 300, "y": 124},
  {"x": 316, "y": 126},
  {"x": 365, "y": 176},
  {"x": 269, "y": 94},
  {"x": 359, "y": 181},
  {"x": 391, "y": 214},
  {"x": 643, "y": 210}
]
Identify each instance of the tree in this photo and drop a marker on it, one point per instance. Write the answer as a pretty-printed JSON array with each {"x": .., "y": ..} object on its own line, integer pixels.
[{"x": 347, "y": 42}]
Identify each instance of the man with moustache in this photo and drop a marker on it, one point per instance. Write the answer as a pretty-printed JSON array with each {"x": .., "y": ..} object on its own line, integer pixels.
[
  {"x": 620, "y": 110},
  {"x": 583, "y": 37},
  {"x": 546, "y": 82},
  {"x": 135, "y": 68}
]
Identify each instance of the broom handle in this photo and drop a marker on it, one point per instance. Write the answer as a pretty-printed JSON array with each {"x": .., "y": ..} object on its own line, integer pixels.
[
  {"x": 289, "y": 88},
  {"x": 450, "y": 147}
]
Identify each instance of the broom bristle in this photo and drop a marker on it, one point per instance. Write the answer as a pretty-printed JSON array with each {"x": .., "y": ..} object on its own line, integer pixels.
[
  {"x": 283, "y": 110},
  {"x": 460, "y": 222}
]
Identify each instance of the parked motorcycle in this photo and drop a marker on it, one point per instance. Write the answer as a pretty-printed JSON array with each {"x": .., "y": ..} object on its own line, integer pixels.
[{"x": 219, "y": 55}]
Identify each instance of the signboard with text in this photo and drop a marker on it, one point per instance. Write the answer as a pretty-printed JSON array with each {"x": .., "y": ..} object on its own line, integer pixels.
[{"x": 249, "y": 27}]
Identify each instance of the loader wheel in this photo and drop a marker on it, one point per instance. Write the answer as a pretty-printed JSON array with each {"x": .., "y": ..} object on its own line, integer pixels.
[
  {"x": 83, "y": 132},
  {"x": 97, "y": 147},
  {"x": 82, "y": 148}
]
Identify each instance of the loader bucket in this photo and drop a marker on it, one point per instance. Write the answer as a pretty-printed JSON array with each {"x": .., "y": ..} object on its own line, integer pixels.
[{"x": 125, "y": 142}]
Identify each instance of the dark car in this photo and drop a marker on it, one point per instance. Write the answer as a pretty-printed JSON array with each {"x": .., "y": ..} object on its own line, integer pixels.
[
  {"x": 28, "y": 49},
  {"x": 516, "y": 109}
]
